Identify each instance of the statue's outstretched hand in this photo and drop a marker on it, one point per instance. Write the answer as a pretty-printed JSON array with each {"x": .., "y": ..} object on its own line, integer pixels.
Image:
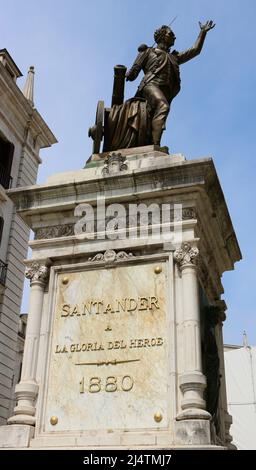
[{"x": 207, "y": 26}]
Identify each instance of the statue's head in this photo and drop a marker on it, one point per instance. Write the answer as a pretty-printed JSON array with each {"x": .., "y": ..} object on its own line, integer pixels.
[{"x": 165, "y": 36}]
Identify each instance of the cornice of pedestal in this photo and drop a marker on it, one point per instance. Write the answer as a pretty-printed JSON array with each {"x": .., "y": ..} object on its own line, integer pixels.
[{"x": 147, "y": 179}]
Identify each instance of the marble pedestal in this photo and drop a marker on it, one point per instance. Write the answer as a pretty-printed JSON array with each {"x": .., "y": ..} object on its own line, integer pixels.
[{"x": 116, "y": 349}]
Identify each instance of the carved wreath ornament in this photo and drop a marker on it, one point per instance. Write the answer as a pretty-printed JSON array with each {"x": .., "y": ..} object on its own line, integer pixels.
[
  {"x": 186, "y": 254},
  {"x": 110, "y": 256}
]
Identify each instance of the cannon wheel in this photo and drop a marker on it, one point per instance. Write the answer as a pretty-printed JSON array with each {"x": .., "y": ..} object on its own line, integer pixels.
[{"x": 96, "y": 132}]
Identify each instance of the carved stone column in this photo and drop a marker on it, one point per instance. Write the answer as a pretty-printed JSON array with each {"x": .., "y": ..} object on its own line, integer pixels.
[
  {"x": 192, "y": 381},
  {"x": 26, "y": 390},
  {"x": 227, "y": 418}
]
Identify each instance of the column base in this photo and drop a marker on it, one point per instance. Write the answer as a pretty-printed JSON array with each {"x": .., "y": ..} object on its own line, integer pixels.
[
  {"x": 192, "y": 385},
  {"x": 193, "y": 413},
  {"x": 22, "y": 419},
  {"x": 16, "y": 436},
  {"x": 192, "y": 432},
  {"x": 24, "y": 412}
]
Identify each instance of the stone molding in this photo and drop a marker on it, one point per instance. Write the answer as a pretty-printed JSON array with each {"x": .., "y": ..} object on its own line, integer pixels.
[
  {"x": 67, "y": 230},
  {"x": 111, "y": 255},
  {"x": 55, "y": 231},
  {"x": 189, "y": 213},
  {"x": 186, "y": 255},
  {"x": 37, "y": 272}
]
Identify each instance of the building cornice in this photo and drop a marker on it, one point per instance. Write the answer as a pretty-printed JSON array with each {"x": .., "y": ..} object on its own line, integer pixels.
[{"x": 24, "y": 109}]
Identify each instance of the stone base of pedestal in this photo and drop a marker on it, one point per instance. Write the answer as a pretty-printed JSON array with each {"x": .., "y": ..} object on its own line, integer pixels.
[
  {"x": 164, "y": 440},
  {"x": 193, "y": 432},
  {"x": 16, "y": 436},
  {"x": 115, "y": 338}
]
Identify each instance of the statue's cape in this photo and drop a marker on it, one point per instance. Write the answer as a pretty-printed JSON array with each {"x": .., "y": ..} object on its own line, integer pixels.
[{"x": 124, "y": 125}]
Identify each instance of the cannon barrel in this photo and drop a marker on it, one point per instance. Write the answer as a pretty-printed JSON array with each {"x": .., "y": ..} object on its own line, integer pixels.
[{"x": 118, "y": 86}]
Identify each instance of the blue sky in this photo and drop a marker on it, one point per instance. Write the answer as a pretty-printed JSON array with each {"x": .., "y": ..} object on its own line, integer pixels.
[{"x": 74, "y": 46}]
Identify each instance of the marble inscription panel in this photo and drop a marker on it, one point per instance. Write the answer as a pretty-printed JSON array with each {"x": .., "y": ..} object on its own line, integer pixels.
[{"x": 108, "y": 367}]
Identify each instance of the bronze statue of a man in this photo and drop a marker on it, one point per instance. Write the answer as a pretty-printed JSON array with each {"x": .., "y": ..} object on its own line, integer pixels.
[{"x": 161, "y": 82}]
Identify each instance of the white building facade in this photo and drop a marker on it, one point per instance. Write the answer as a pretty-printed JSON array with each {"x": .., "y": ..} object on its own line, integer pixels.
[
  {"x": 240, "y": 366},
  {"x": 23, "y": 133}
]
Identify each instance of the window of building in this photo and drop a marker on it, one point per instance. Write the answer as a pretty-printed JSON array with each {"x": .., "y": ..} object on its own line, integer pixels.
[{"x": 6, "y": 157}]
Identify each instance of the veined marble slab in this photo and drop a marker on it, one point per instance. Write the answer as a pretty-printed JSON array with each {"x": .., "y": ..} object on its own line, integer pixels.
[{"x": 108, "y": 366}]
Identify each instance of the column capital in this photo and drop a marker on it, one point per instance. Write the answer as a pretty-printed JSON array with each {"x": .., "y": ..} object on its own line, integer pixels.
[
  {"x": 215, "y": 313},
  {"x": 186, "y": 255},
  {"x": 222, "y": 307},
  {"x": 37, "y": 272}
]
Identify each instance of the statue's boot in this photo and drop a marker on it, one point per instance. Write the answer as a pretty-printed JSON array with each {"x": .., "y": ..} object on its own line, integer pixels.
[{"x": 157, "y": 130}]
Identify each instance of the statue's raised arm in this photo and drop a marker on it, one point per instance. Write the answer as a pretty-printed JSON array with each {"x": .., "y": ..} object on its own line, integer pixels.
[
  {"x": 196, "y": 49},
  {"x": 161, "y": 82}
]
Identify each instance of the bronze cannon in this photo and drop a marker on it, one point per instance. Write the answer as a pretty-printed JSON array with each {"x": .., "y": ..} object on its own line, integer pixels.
[{"x": 123, "y": 125}]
